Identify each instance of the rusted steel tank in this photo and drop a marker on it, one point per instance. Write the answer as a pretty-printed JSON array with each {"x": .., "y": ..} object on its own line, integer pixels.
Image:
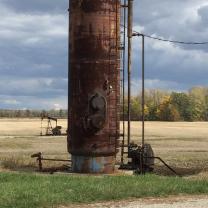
[{"x": 94, "y": 85}]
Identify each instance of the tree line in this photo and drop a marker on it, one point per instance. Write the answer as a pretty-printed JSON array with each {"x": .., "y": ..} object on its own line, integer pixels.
[
  {"x": 4, "y": 113},
  {"x": 171, "y": 106},
  {"x": 160, "y": 105}
]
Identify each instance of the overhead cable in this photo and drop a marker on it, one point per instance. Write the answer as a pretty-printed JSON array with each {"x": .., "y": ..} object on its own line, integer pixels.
[
  {"x": 136, "y": 33},
  {"x": 170, "y": 41}
]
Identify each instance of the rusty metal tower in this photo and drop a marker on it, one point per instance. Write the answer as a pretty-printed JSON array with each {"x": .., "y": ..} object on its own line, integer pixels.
[
  {"x": 94, "y": 84},
  {"x": 99, "y": 33}
]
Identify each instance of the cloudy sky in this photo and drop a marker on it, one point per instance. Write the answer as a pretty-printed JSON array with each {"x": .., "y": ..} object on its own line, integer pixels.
[{"x": 33, "y": 49}]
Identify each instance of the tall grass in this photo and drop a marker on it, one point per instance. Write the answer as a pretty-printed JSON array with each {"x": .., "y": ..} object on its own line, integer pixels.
[
  {"x": 30, "y": 190},
  {"x": 18, "y": 163}
]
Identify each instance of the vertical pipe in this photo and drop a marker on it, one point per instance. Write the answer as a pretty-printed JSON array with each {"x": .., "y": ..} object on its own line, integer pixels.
[
  {"x": 118, "y": 35},
  {"x": 143, "y": 93},
  {"x": 41, "y": 133},
  {"x": 143, "y": 106},
  {"x": 124, "y": 67},
  {"x": 130, "y": 15},
  {"x": 68, "y": 74}
]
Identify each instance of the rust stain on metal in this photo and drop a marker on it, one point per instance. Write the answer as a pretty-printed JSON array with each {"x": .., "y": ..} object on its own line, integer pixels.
[{"x": 94, "y": 83}]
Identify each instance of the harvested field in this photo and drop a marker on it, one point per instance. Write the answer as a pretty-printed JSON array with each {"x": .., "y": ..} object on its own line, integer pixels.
[
  {"x": 183, "y": 145},
  {"x": 20, "y": 138}
]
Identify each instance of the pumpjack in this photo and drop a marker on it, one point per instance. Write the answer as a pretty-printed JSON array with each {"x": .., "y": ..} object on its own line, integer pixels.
[{"x": 50, "y": 130}]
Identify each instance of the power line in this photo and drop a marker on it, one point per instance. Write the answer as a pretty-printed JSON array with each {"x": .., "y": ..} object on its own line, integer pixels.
[
  {"x": 136, "y": 33},
  {"x": 170, "y": 41}
]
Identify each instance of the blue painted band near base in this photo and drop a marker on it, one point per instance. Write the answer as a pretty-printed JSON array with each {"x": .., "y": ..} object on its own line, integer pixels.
[{"x": 85, "y": 164}]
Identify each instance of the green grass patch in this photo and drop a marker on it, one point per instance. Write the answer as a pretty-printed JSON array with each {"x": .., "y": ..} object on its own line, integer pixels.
[{"x": 30, "y": 190}]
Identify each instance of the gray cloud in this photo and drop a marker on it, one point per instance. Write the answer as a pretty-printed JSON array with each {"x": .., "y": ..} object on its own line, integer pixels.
[
  {"x": 51, "y": 6},
  {"x": 203, "y": 13},
  {"x": 32, "y": 102},
  {"x": 177, "y": 20},
  {"x": 47, "y": 88},
  {"x": 33, "y": 53},
  {"x": 33, "y": 49},
  {"x": 169, "y": 63}
]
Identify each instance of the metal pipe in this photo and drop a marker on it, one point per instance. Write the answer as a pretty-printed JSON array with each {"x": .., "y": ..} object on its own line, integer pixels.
[
  {"x": 143, "y": 100},
  {"x": 130, "y": 20},
  {"x": 55, "y": 160},
  {"x": 143, "y": 94},
  {"x": 143, "y": 106},
  {"x": 40, "y": 159},
  {"x": 124, "y": 64},
  {"x": 68, "y": 74},
  {"x": 164, "y": 163}
]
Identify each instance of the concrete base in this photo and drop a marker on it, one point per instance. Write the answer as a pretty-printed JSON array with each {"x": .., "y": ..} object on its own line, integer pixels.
[{"x": 93, "y": 165}]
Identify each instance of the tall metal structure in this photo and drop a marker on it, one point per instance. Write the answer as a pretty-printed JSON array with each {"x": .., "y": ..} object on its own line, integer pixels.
[
  {"x": 94, "y": 85},
  {"x": 97, "y": 71}
]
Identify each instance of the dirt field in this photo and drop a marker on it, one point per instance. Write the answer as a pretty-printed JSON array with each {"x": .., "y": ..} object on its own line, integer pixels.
[{"x": 183, "y": 145}]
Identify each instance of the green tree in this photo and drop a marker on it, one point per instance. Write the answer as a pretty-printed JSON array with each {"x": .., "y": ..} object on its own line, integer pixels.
[
  {"x": 167, "y": 111},
  {"x": 184, "y": 105}
]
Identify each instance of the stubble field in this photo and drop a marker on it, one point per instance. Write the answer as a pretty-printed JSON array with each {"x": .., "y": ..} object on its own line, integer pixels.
[{"x": 183, "y": 145}]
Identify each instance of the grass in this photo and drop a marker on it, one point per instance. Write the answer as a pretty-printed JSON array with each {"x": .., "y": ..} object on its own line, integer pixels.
[{"x": 38, "y": 191}]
